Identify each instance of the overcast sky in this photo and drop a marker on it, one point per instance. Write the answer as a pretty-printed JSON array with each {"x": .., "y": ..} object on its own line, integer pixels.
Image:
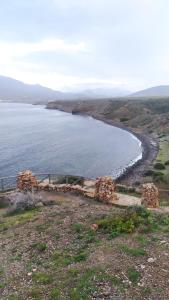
[{"x": 67, "y": 43}]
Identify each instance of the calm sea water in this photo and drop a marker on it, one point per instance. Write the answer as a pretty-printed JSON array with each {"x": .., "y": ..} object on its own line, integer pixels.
[{"x": 42, "y": 140}]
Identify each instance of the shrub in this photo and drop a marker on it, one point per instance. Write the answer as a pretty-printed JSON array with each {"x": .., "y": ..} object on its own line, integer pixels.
[
  {"x": 148, "y": 173},
  {"x": 131, "y": 219},
  {"x": 167, "y": 163},
  {"x": 124, "y": 119},
  {"x": 22, "y": 201},
  {"x": 159, "y": 166}
]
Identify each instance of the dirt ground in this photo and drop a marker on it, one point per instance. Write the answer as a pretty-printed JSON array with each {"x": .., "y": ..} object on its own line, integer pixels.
[{"x": 53, "y": 253}]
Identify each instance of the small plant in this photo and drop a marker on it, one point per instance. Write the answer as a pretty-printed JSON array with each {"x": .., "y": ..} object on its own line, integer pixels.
[
  {"x": 142, "y": 239},
  {"x": 78, "y": 227},
  {"x": 133, "y": 251},
  {"x": 41, "y": 246},
  {"x": 133, "y": 275},
  {"x": 73, "y": 271},
  {"x": 81, "y": 256},
  {"x": 42, "y": 278},
  {"x": 55, "y": 294},
  {"x": 35, "y": 293},
  {"x": 62, "y": 258}
]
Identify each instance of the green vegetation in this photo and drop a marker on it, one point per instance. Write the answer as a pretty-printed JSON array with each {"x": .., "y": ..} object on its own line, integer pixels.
[
  {"x": 78, "y": 227},
  {"x": 35, "y": 293},
  {"x": 133, "y": 275},
  {"x": 132, "y": 251},
  {"x": 42, "y": 278},
  {"x": 128, "y": 222},
  {"x": 87, "y": 284},
  {"x": 17, "y": 219},
  {"x": 159, "y": 166},
  {"x": 40, "y": 246},
  {"x": 55, "y": 294}
]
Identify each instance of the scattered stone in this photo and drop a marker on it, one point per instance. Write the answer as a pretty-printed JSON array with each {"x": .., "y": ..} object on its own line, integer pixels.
[
  {"x": 94, "y": 227},
  {"x": 34, "y": 270},
  {"x": 142, "y": 267},
  {"x": 151, "y": 260}
]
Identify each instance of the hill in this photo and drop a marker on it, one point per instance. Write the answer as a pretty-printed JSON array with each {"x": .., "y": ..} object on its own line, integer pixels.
[
  {"x": 17, "y": 91},
  {"x": 157, "y": 91}
]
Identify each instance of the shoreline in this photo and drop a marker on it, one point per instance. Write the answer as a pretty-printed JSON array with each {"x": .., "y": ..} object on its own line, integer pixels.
[{"x": 133, "y": 174}]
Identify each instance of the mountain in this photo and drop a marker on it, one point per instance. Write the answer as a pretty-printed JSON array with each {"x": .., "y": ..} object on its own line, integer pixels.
[
  {"x": 157, "y": 91},
  {"x": 17, "y": 91},
  {"x": 104, "y": 92}
]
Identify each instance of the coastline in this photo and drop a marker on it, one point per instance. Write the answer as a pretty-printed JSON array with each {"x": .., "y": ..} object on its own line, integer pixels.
[{"x": 133, "y": 174}]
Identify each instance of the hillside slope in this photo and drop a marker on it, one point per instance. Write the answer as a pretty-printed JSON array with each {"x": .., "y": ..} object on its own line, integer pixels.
[
  {"x": 53, "y": 252},
  {"x": 157, "y": 91}
]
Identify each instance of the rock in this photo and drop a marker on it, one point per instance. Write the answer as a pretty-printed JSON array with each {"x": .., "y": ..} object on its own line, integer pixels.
[
  {"x": 151, "y": 260},
  {"x": 142, "y": 267},
  {"x": 94, "y": 227},
  {"x": 39, "y": 204}
]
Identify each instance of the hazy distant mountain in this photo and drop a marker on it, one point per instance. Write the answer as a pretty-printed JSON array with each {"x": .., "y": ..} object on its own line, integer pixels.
[
  {"x": 105, "y": 92},
  {"x": 157, "y": 91},
  {"x": 17, "y": 91},
  {"x": 14, "y": 90}
]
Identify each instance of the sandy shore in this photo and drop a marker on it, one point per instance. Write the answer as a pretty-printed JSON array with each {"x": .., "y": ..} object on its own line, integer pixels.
[{"x": 131, "y": 175}]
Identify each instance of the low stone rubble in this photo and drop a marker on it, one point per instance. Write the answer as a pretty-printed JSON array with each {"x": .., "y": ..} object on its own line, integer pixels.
[
  {"x": 105, "y": 190},
  {"x": 150, "y": 195}
]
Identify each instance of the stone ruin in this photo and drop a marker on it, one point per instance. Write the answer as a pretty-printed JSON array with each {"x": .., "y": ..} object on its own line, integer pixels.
[
  {"x": 26, "y": 181},
  {"x": 150, "y": 195},
  {"x": 105, "y": 190}
]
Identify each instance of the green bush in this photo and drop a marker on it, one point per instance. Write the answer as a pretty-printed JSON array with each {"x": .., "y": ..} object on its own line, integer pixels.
[
  {"x": 124, "y": 119},
  {"x": 159, "y": 166},
  {"x": 128, "y": 222},
  {"x": 167, "y": 163},
  {"x": 148, "y": 173}
]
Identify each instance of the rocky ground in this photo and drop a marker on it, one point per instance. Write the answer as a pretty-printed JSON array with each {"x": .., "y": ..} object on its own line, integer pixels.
[{"x": 55, "y": 252}]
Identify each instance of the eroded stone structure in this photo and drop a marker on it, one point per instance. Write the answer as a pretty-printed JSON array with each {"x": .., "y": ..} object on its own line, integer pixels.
[
  {"x": 26, "y": 181},
  {"x": 150, "y": 195},
  {"x": 105, "y": 190}
]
